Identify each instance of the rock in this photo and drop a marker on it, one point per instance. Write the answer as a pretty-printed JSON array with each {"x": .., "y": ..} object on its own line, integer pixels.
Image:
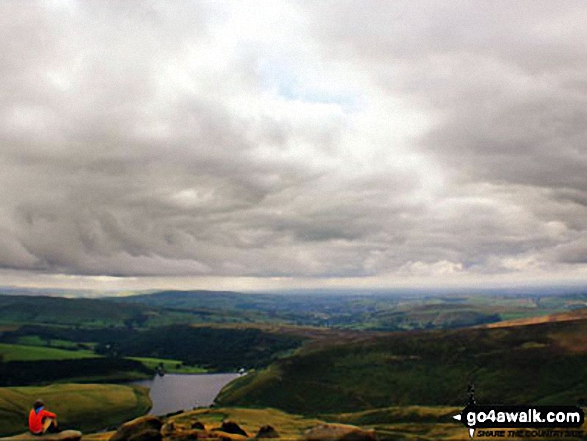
[
  {"x": 66, "y": 435},
  {"x": 339, "y": 432},
  {"x": 198, "y": 426},
  {"x": 147, "y": 428},
  {"x": 168, "y": 428},
  {"x": 232, "y": 427},
  {"x": 267, "y": 432}
]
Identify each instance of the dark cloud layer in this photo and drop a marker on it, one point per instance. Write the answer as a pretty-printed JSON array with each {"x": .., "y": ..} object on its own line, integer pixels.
[{"x": 388, "y": 140}]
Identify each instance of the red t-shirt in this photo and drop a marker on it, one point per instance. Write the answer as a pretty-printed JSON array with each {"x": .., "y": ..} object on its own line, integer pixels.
[{"x": 36, "y": 419}]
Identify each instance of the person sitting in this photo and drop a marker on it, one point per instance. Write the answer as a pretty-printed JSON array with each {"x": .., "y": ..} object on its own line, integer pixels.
[{"x": 42, "y": 421}]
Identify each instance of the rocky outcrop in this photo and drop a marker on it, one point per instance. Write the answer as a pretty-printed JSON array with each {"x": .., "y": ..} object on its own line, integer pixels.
[
  {"x": 267, "y": 432},
  {"x": 339, "y": 432},
  {"x": 66, "y": 435},
  {"x": 229, "y": 431},
  {"x": 147, "y": 428}
]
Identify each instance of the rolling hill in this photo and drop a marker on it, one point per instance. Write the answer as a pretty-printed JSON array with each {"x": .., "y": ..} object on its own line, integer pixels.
[
  {"x": 543, "y": 363},
  {"x": 98, "y": 313}
]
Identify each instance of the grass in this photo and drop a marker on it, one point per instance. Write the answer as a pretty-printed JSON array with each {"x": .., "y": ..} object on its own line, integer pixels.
[
  {"x": 424, "y": 368},
  {"x": 12, "y": 352},
  {"x": 87, "y": 407}
]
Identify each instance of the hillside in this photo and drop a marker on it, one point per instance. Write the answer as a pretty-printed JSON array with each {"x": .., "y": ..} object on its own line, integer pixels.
[
  {"x": 576, "y": 314},
  {"x": 127, "y": 354},
  {"x": 98, "y": 313},
  {"x": 425, "y": 368},
  {"x": 18, "y": 309},
  {"x": 86, "y": 407}
]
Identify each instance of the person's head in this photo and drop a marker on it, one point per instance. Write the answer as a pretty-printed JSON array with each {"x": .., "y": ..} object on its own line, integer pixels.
[{"x": 38, "y": 404}]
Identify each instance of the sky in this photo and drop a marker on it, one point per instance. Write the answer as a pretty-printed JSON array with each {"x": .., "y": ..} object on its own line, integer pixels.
[{"x": 285, "y": 144}]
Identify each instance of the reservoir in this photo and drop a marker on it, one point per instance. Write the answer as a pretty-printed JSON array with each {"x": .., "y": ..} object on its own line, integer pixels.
[{"x": 175, "y": 392}]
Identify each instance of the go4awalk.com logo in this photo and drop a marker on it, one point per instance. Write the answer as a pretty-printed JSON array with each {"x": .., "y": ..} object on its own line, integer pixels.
[{"x": 522, "y": 421}]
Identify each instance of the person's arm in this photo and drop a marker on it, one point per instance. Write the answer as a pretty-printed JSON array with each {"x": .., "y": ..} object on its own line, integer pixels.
[{"x": 46, "y": 413}]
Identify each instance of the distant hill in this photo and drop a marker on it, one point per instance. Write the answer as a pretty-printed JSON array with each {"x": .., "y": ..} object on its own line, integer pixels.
[
  {"x": 64, "y": 311},
  {"x": 330, "y": 309},
  {"x": 190, "y": 299},
  {"x": 542, "y": 363},
  {"x": 96, "y": 313}
]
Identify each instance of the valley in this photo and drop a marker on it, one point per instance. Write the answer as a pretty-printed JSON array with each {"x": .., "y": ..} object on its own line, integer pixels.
[{"x": 400, "y": 365}]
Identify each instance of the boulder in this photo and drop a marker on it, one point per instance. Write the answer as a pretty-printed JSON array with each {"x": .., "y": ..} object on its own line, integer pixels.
[
  {"x": 146, "y": 428},
  {"x": 232, "y": 427},
  {"x": 66, "y": 435},
  {"x": 339, "y": 432},
  {"x": 267, "y": 432},
  {"x": 196, "y": 425},
  {"x": 168, "y": 428}
]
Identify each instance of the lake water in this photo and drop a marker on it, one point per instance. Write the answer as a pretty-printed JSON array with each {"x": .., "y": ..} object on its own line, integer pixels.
[{"x": 175, "y": 392}]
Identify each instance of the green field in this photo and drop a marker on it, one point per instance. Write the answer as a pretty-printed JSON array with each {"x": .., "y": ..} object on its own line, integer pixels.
[
  {"x": 12, "y": 352},
  {"x": 87, "y": 407}
]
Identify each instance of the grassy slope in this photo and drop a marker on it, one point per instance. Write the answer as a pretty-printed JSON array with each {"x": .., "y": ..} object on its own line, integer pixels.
[
  {"x": 81, "y": 406},
  {"x": 12, "y": 352},
  {"x": 426, "y": 368}
]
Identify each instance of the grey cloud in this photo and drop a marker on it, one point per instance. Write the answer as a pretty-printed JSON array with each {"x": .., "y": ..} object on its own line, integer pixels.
[
  {"x": 136, "y": 141},
  {"x": 506, "y": 83},
  {"x": 574, "y": 252}
]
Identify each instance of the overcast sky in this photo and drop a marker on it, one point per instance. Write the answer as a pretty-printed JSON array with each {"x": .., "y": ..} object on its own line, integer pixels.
[{"x": 262, "y": 144}]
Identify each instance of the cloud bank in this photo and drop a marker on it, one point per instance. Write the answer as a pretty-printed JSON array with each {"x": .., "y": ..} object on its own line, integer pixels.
[{"x": 381, "y": 141}]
